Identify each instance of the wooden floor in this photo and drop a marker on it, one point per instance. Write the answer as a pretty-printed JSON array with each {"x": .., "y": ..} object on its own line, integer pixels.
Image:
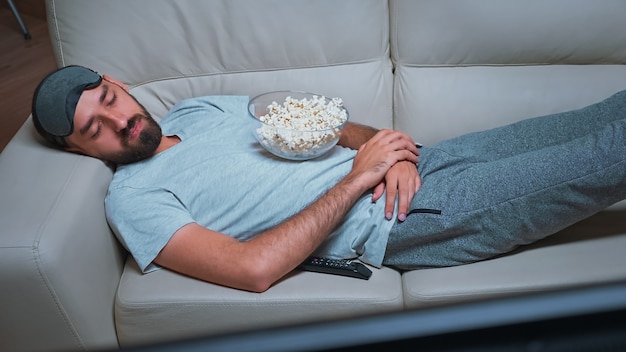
[{"x": 23, "y": 63}]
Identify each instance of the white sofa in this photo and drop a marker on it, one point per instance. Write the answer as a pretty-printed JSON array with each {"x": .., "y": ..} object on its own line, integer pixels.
[{"x": 434, "y": 69}]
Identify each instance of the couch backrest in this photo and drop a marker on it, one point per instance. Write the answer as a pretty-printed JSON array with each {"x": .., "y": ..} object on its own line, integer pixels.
[
  {"x": 171, "y": 50},
  {"x": 463, "y": 65}
]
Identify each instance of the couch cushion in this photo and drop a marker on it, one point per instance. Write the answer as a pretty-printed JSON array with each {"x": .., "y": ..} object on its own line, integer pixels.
[
  {"x": 465, "y": 66},
  {"x": 590, "y": 252},
  {"x": 163, "y": 305},
  {"x": 234, "y": 47}
]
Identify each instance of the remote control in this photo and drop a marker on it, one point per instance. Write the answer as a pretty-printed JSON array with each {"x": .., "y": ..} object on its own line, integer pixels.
[{"x": 343, "y": 267}]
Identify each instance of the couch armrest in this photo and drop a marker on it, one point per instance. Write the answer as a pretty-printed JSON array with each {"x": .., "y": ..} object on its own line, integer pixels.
[{"x": 59, "y": 263}]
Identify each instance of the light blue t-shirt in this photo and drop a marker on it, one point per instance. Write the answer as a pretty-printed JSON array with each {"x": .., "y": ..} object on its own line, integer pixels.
[{"x": 219, "y": 177}]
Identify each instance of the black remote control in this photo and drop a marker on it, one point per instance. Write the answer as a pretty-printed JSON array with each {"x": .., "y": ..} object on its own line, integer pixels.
[{"x": 343, "y": 267}]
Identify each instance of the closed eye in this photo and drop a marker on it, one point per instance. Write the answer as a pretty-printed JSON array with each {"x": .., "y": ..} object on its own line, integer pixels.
[
  {"x": 113, "y": 100},
  {"x": 98, "y": 130}
]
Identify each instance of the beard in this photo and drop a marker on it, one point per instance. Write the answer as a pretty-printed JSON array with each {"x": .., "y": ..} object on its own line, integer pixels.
[{"x": 144, "y": 146}]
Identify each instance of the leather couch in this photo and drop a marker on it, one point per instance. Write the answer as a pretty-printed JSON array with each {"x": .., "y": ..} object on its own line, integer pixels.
[{"x": 435, "y": 69}]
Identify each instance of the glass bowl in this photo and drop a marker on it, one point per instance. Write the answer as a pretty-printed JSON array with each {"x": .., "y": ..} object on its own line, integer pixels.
[{"x": 297, "y": 125}]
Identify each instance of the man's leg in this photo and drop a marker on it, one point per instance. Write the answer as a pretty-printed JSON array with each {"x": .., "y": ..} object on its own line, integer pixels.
[
  {"x": 546, "y": 174},
  {"x": 537, "y": 133}
]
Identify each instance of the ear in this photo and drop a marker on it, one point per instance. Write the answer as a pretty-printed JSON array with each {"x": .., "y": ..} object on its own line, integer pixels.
[
  {"x": 73, "y": 149},
  {"x": 116, "y": 82}
]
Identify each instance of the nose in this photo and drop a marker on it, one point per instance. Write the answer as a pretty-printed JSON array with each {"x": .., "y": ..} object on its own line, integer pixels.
[{"x": 118, "y": 123}]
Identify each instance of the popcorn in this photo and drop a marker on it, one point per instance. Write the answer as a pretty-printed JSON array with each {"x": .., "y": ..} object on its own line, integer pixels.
[{"x": 302, "y": 128}]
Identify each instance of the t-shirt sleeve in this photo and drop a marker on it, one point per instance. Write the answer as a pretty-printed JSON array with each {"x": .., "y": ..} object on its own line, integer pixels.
[
  {"x": 232, "y": 104},
  {"x": 206, "y": 106},
  {"x": 144, "y": 220}
]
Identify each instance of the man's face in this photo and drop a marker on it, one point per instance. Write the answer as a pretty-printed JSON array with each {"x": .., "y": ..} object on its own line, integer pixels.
[{"x": 110, "y": 124}]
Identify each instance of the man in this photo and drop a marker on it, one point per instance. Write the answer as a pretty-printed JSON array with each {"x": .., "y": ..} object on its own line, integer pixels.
[{"x": 197, "y": 195}]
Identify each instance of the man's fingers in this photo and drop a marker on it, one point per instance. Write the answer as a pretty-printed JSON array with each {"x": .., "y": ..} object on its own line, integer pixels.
[
  {"x": 378, "y": 191},
  {"x": 390, "y": 200}
]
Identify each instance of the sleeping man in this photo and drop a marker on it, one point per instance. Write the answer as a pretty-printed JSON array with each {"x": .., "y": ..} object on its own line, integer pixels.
[{"x": 196, "y": 194}]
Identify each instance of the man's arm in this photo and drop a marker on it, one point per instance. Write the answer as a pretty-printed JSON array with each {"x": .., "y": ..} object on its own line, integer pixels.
[
  {"x": 256, "y": 264},
  {"x": 401, "y": 182},
  {"x": 353, "y": 135}
]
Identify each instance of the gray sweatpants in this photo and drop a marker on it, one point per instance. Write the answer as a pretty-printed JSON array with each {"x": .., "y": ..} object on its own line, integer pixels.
[{"x": 485, "y": 193}]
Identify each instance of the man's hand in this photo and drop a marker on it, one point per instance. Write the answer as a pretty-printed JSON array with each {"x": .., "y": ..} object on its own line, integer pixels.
[
  {"x": 379, "y": 154},
  {"x": 402, "y": 181}
]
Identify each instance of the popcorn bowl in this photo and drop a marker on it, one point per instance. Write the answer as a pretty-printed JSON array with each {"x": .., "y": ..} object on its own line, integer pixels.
[{"x": 297, "y": 125}]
